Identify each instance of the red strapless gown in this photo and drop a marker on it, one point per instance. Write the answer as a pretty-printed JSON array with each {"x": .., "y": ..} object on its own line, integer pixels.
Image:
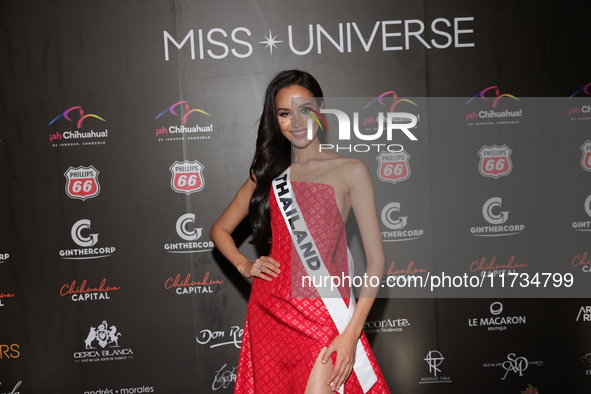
[{"x": 283, "y": 335}]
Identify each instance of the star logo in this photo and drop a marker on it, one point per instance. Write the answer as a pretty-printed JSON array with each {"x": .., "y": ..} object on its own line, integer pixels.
[{"x": 270, "y": 41}]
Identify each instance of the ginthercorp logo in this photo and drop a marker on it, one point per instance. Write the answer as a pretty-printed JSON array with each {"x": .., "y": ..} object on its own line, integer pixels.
[
  {"x": 496, "y": 322},
  {"x": 82, "y": 182},
  {"x": 9, "y": 351},
  {"x": 492, "y": 213},
  {"x": 4, "y": 257},
  {"x": 187, "y": 176},
  {"x": 83, "y": 237},
  {"x": 434, "y": 359},
  {"x": 491, "y": 97},
  {"x": 393, "y": 167},
  {"x": 315, "y": 39},
  {"x": 189, "y": 128},
  {"x": 102, "y": 344},
  {"x": 76, "y": 137},
  {"x": 586, "y": 159},
  {"x": 495, "y": 161},
  {"x": 584, "y": 314},
  {"x": 190, "y": 233},
  {"x": 584, "y": 225},
  {"x": 397, "y": 224}
]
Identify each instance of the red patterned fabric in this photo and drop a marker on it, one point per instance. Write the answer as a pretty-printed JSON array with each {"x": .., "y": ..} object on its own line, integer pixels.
[{"x": 283, "y": 334}]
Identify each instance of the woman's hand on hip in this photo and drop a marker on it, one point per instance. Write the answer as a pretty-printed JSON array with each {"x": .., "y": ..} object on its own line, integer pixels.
[{"x": 264, "y": 267}]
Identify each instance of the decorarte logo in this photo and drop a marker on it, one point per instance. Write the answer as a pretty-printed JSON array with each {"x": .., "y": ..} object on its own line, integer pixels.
[
  {"x": 185, "y": 131},
  {"x": 434, "y": 359},
  {"x": 90, "y": 137},
  {"x": 486, "y": 117},
  {"x": 102, "y": 344},
  {"x": 81, "y": 236},
  {"x": 82, "y": 182},
  {"x": 185, "y": 228},
  {"x": 386, "y": 325},
  {"x": 397, "y": 225},
  {"x": 187, "y": 176},
  {"x": 495, "y": 161}
]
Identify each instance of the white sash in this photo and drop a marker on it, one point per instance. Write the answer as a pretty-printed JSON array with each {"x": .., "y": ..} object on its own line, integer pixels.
[{"x": 312, "y": 262}]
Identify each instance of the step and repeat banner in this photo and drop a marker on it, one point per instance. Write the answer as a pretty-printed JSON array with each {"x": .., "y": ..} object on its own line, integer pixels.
[{"x": 128, "y": 126}]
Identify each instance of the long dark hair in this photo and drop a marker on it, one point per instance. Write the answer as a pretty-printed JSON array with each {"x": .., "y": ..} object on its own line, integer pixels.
[{"x": 273, "y": 152}]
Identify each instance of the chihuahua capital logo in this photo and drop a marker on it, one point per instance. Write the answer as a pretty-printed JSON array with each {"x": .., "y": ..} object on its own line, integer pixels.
[{"x": 184, "y": 107}]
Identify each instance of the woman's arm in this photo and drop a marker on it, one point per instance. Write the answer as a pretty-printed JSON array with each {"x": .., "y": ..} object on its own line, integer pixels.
[
  {"x": 361, "y": 195},
  {"x": 221, "y": 234}
]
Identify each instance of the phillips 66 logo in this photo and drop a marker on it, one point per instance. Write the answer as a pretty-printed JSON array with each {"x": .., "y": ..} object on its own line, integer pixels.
[
  {"x": 495, "y": 161},
  {"x": 82, "y": 182},
  {"x": 393, "y": 167},
  {"x": 187, "y": 176}
]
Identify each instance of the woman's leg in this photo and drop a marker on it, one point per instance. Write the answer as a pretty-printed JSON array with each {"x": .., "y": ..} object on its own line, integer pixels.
[{"x": 318, "y": 376}]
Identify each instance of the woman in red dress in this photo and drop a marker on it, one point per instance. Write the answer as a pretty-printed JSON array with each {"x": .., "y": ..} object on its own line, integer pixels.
[{"x": 299, "y": 340}]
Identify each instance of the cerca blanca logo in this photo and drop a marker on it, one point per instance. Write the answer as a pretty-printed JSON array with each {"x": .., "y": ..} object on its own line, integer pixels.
[
  {"x": 186, "y": 230},
  {"x": 491, "y": 211},
  {"x": 397, "y": 224},
  {"x": 496, "y": 322},
  {"x": 102, "y": 344},
  {"x": 82, "y": 236}
]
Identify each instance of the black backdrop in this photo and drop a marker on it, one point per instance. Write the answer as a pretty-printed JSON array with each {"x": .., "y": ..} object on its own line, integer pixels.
[{"x": 147, "y": 305}]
